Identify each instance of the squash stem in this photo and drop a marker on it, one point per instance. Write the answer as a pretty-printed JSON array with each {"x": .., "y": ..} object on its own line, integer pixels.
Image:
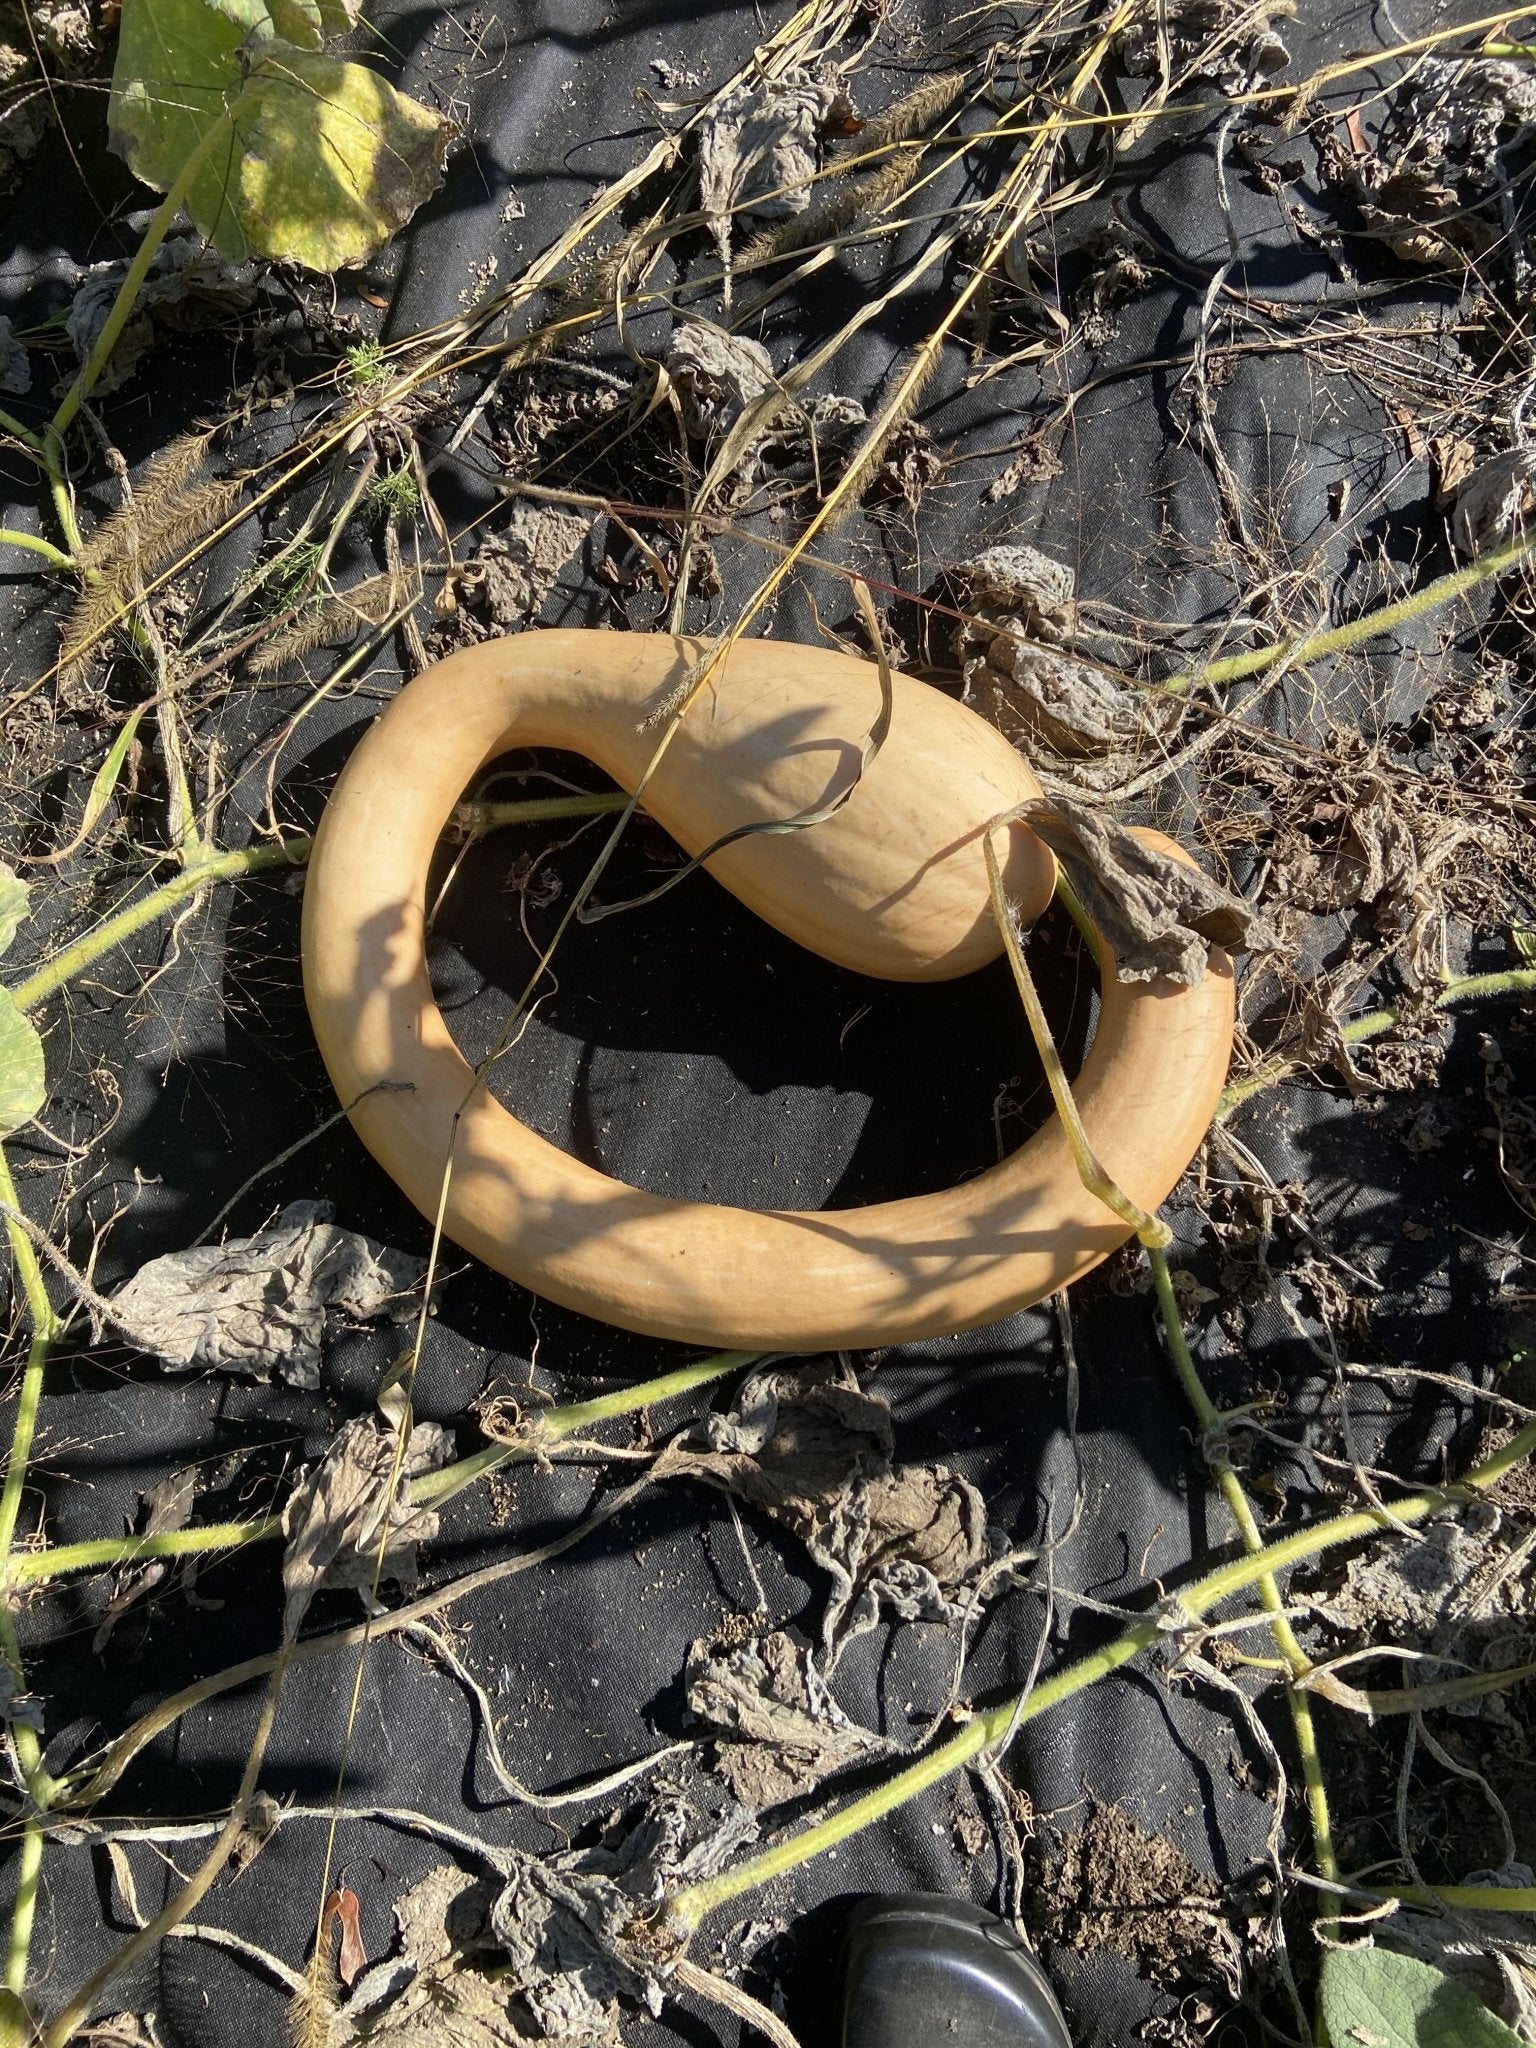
[
  {"x": 290, "y": 852},
  {"x": 1155, "y": 1236},
  {"x": 687, "y": 1908},
  {"x": 1468, "y": 988},
  {"x": 1305, "y": 647},
  {"x": 553, "y": 1425},
  {"x": 15, "y": 2025},
  {"x": 128, "y": 292}
]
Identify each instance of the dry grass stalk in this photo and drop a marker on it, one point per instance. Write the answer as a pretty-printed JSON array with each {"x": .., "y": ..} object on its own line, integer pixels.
[{"x": 856, "y": 197}]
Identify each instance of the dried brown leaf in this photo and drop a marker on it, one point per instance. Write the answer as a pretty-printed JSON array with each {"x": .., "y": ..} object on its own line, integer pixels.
[
  {"x": 353, "y": 1510},
  {"x": 1159, "y": 916},
  {"x": 260, "y": 1305}
]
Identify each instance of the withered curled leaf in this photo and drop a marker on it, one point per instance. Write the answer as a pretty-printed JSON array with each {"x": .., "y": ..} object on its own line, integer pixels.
[{"x": 1159, "y": 915}]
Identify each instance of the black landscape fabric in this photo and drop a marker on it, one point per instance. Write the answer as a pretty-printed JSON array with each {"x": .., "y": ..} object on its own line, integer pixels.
[{"x": 1227, "y": 384}]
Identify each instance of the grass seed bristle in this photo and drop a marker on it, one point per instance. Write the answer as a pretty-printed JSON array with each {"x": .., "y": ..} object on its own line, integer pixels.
[
  {"x": 175, "y": 518},
  {"x": 167, "y": 475},
  {"x": 368, "y": 604}
]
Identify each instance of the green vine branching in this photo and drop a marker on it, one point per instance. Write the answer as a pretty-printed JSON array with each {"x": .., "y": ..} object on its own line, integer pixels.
[
  {"x": 1468, "y": 988},
  {"x": 990, "y": 1730},
  {"x": 534, "y": 1437}
]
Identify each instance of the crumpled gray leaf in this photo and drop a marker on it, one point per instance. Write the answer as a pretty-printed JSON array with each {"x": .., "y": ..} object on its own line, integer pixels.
[
  {"x": 260, "y": 1305},
  {"x": 336, "y": 1514},
  {"x": 1377, "y": 862},
  {"x": 1494, "y": 503},
  {"x": 1022, "y": 587},
  {"x": 521, "y": 565},
  {"x": 1422, "y": 1590},
  {"x": 813, "y": 1449},
  {"x": 1442, "y": 155},
  {"x": 817, "y": 431},
  {"x": 716, "y": 375},
  {"x": 1200, "y": 43},
  {"x": 1072, "y": 706},
  {"x": 778, "y": 1730},
  {"x": 909, "y": 462},
  {"x": 571, "y": 1925},
  {"x": 188, "y": 285},
  {"x": 432, "y": 1991},
  {"x": 1159, "y": 917},
  {"x": 1014, "y": 651},
  {"x": 15, "y": 364},
  {"x": 1457, "y": 118},
  {"x": 442, "y": 1986},
  {"x": 1120, "y": 269},
  {"x": 759, "y": 147}
]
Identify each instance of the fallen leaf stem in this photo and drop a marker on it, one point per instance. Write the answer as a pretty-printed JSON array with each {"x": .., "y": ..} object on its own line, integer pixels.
[
  {"x": 237, "y": 866},
  {"x": 35, "y": 544},
  {"x": 1301, "y": 648},
  {"x": 1149, "y": 1229},
  {"x": 136, "y": 917},
  {"x": 128, "y": 291},
  {"x": 1296, "y": 1661},
  {"x": 15, "y": 2026},
  {"x": 1155, "y": 1236},
  {"x": 553, "y": 1424},
  {"x": 1466, "y": 1898},
  {"x": 37, "y": 1567}
]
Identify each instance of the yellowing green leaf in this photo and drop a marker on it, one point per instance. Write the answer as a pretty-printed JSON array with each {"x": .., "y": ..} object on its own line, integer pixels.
[
  {"x": 13, "y": 904},
  {"x": 312, "y": 23},
  {"x": 1375, "y": 1999},
  {"x": 177, "y": 72},
  {"x": 308, "y": 23},
  {"x": 313, "y": 160},
  {"x": 333, "y": 160},
  {"x": 23, "y": 1080},
  {"x": 251, "y": 17}
]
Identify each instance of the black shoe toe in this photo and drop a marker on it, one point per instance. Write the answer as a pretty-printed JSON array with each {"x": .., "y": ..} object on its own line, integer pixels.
[{"x": 924, "y": 1971}]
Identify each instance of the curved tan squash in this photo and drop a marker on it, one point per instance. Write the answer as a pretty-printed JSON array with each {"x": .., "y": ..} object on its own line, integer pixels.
[{"x": 894, "y": 885}]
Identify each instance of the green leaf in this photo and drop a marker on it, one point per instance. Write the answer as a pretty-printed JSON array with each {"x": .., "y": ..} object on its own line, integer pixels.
[
  {"x": 177, "y": 72},
  {"x": 311, "y": 24},
  {"x": 13, "y": 904},
  {"x": 323, "y": 159},
  {"x": 1375, "y": 1999},
  {"x": 333, "y": 159},
  {"x": 23, "y": 1080}
]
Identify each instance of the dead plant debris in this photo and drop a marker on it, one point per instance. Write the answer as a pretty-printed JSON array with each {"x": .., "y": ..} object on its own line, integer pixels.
[
  {"x": 1374, "y": 812},
  {"x": 813, "y": 1449},
  {"x": 1160, "y": 916},
  {"x": 261, "y": 1305},
  {"x": 1113, "y": 1884},
  {"x": 349, "y": 1521},
  {"x": 778, "y": 1731}
]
